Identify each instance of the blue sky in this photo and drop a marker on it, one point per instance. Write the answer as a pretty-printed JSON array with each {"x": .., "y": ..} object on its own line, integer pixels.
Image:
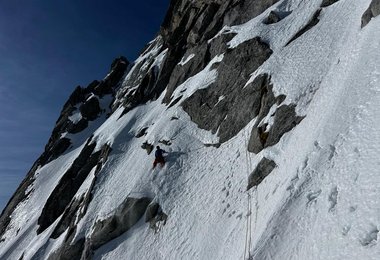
[{"x": 47, "y": 48}]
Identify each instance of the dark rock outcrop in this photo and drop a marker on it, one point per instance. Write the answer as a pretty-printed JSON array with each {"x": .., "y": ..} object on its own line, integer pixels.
[
  {"x": 118, "y": 68},
  {"x": 186, "y": 30},
  {"x": 198, "y": 21},
  {"x": 154, "y": 215},
  {"x": 142, "y": 132},
  {"x": 68, "y": 185},
  {"x": 67, "y": 217},
  {"x": 313, "y": 22},
  {"x": 165, "y": 142},
  {"x": 78, "y": 127},
  {"x": 145, "y": 82},
  {"x": 372, "y": 11},
  {"x": 285, "y": 119},
  {"x": 59, "y": 147},
  {"x": 273, "y": 17},
  {"x": 106, "y": 86},
  {"x": 70, "y": 248},
  {"x": 69, "y": 251},
  {"x": 125, "y": 217},
  {"x": 228, "y": 105},
  {"x": 276, "y": 16},
  {"x": 151, "y": 211},
  {"x": 216, "y": 145},
  {"x": 192, "y": 67},
  {"x": 148, "y": 147},
  {"x": 78, "y": 207},
  {"x": 326, "y": 3},
  {"x": 90, "y": 109},
  {"x": 262, "y": 170}
]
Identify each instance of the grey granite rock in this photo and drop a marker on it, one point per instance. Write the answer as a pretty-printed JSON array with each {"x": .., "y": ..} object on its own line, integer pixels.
[
  {"x": 262, "y": 170},
  {"x": 372, "y": 11}
]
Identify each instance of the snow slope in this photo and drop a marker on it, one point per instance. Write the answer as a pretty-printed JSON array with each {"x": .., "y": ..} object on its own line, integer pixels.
[{"x": 320, "y": 202}]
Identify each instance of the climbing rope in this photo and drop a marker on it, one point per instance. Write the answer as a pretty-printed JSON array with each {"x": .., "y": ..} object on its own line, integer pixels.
[
  {"x": 247, "y": 245},
  {"x": 248, "y": 234},
  {"x": 247, "y": 230}
]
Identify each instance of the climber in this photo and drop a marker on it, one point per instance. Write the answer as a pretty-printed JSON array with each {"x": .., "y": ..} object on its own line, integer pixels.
[{"x": 159, "y": 154}]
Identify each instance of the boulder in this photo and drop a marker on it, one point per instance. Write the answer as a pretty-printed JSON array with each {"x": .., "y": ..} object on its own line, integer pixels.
[
  {"x": 151, "y": 211},
  {"x": 273, "y": 17},
  {"x": 148, "y": 147},
  {"x": 285, "y": 119},
  {"x": 155, "y": 216},
  {"x": 125, "y": 217},
  {"x": 326, "y": 3},
  {"x": 142, "y": 132},
  {"x": 66, "y": 251},
  {"x": 262, "y": 170}
]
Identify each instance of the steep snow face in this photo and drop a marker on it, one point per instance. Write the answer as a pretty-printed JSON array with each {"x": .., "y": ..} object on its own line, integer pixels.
[{"x": 319, "y": 199}]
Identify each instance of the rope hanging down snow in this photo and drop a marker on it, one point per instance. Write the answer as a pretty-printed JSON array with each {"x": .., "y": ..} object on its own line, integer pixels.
[
  {"x": 248, "y": 234},
  {"x": 248, "y": 224}
]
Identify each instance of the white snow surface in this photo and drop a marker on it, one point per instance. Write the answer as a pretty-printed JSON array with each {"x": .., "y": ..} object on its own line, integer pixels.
[
  {"x": 186, "y": 60},
  {"x": 320, "y": 202},
  {"x": 202, "y": 80},
  {"x": 76, "y": 117}
]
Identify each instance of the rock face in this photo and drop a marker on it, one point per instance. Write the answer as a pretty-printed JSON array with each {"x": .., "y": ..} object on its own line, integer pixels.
[
  {"x": 68, "y": 186},
  {"x": 142, "y": 132},
  {"x": 125, "y": 216},
  {"x": 90, "y": 109},
  {"x": 285, "y": 119},
  {"x": 201, "y": 20},
  {"x": 57, "y": 145},
  {"x": 77, "y": 208},
  {"x": 276, "y": 16},
  {"x": 273, "y": 17},
  {"x": 326, "y": 3},
  {"x": 148, "y": 147},
  {"x": 372, "y": 11},
  {"x": 228, "y": 105},
  {"x": 118, "y": 68},
  {"x": 263, "y": 169},
  {"x": 154, "y": 215},
  {"x": 75, "y": 128},
  {"x": 189, "y": 41},
  {"x": 186, "y": 29}
]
